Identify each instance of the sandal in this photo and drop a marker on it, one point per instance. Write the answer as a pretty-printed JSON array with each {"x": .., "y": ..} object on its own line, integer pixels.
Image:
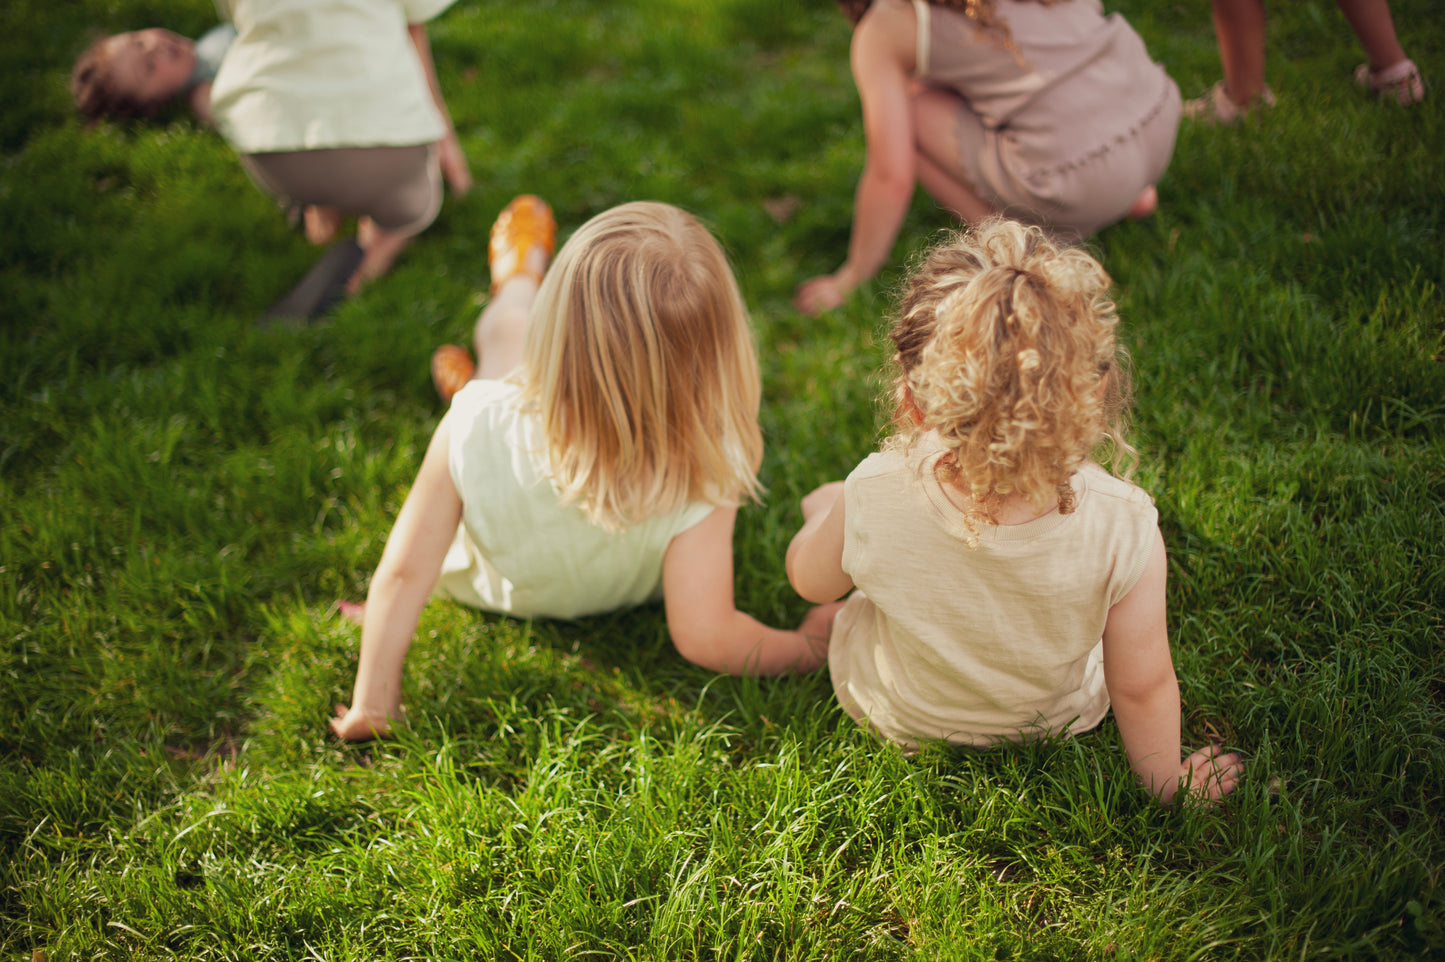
[
  {"x": 1400, "y": 82},
  {"x": 451, "y": 368},
  {"x": 1216, "y": 107},
  {"x": 525, "y": 223}
]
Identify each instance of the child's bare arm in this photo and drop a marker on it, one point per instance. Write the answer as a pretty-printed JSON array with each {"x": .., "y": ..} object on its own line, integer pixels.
[
  {"x": 881, "y": 48},
  {"x": 410, "y": 565},
  {"x": 449, "y": 149},
  {"x": 1144, "y": 691},
  {"x": 815, "y": 556},
  {"x": 707, "y": 628},
  {"x": 199, "y": 100}
]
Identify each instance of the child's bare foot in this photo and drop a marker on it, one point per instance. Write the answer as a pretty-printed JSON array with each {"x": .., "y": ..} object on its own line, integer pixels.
[
  {"x": 322, "y": 224},
  {"x": 1145, "y": 203},
  {"x": 381, "y": 248}
]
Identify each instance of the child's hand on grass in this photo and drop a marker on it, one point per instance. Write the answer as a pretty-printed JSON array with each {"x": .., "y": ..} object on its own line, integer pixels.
[
  {"x": 817, "y": 628},
  {"x": 820, "y": 294},
  {"x": 355, "y": 725},
  {"x": 1208, "y": 775}
]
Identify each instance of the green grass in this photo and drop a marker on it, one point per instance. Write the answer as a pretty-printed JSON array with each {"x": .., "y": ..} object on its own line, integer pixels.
[{"x": 184, "y": 494}]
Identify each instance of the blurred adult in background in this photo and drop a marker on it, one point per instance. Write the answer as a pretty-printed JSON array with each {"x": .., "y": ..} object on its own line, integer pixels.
[{"x": 1239, "y": 27}]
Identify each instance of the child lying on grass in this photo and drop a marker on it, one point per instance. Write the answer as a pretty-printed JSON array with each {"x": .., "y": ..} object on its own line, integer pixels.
[
  {"x": 333, "y": 108},
  {"x": 1003, "y": 585}
]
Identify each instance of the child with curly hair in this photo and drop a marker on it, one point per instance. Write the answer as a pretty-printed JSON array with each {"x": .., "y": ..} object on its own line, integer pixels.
[
  {"x": 1043, "y": 110},
  {"x": 594, "y": 459},
  {"x": 1007, "y": 587}
]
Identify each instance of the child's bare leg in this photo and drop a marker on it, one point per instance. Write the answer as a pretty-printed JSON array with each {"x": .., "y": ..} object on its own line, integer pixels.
[
  {"x": 321, "y": 223},
  {"x": 951, "y": 194},
  {"x": 520, "y": 250},
  {"x": 380, "y": 248},
  {"x": 1372, "y": 23},
  {"x": 501, "y": 331},
  {"x": 1239, "y": 29},
  {"x": 939, "y": 167}
]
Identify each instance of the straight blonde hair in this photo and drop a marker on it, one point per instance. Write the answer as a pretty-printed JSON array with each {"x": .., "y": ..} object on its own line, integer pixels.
[{"x": 640, "y": 363}]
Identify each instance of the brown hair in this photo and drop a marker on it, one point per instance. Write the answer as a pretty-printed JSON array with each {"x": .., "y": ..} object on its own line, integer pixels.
[
  {"x": 93, "y": 88},
  {"x": 640, "y": 363},
  {"x": 1007, "y": 352}
]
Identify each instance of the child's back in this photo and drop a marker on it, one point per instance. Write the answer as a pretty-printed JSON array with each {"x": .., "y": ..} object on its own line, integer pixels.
[
  {"x": 632, "y": 416},
  {"x": 1007, "y": 586},
  {"x": 597, "y": 458},
  {"x": 520, "y": 549},
  {"x": 977, "y": 644}
]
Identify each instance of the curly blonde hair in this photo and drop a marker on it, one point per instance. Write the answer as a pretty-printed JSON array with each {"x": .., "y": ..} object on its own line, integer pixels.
[
  {"x": 1006, "y": 351},
  {"x": 640, "y": 363}
]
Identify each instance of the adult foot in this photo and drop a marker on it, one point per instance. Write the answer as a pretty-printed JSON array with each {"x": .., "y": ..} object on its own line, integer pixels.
[
  {"x": 1218, "y": 107},
  {"x": 523, "y": 240},
  {"x": 1399, "y": 82}
]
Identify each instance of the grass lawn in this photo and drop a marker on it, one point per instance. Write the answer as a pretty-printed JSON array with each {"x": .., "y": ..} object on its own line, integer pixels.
[{"x": 184, "y": 494}]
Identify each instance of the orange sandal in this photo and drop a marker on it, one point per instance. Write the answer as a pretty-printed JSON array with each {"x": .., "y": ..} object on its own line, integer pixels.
[
  {"x": 451, "y": 369},
  {"x": 525, "y": 223}
]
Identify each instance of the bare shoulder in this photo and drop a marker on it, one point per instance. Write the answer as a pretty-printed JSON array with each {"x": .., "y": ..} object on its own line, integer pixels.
[{"x": 889, "y": 29}]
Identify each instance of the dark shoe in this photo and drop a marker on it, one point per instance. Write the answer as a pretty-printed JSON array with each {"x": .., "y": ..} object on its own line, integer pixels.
[{"x": 320, "y": 290}]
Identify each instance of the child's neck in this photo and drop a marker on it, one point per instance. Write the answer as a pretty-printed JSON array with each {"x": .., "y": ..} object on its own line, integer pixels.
[{"x": 1009, "y": 510}]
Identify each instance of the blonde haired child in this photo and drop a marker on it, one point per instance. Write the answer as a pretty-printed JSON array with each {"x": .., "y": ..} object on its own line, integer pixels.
[
  {"x": 596, "y": 456},
  {"x": 1007, "y": 587}
]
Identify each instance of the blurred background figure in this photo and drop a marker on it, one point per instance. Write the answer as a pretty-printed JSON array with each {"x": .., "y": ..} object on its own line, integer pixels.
[
  {"x": 1239, "y": 27},
  {"x": 1049, "y": 112},
  {"x": 333, "y": 107}
]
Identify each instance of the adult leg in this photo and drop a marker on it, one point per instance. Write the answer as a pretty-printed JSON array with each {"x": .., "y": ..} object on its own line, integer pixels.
[
  {"x": 1389, "y": 73},
  {"x": 1371, "y": 21},
  {"x": 322, "y": 223},
  {"x": 1239, "y": 30},
  {"x": 939, "y": 154}
]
